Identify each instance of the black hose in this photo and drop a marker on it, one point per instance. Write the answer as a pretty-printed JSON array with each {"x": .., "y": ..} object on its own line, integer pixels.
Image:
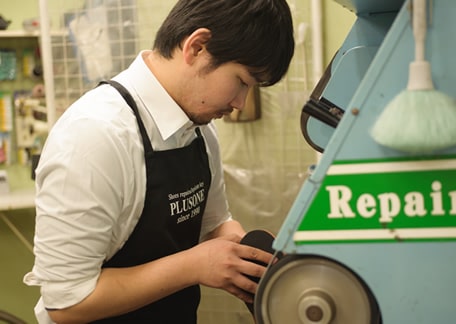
[{"x": 10, "y": 318}]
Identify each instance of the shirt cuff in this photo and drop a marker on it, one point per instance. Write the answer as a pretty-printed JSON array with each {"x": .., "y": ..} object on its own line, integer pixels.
[{"x": 58, "y": 295}]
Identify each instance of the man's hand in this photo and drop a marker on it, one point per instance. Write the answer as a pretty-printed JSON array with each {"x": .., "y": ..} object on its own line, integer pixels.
[{"x": 224, "y": 263}]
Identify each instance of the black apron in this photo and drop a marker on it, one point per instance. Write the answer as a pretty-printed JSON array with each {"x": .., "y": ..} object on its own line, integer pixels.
[{"x": 178, "y": 182}]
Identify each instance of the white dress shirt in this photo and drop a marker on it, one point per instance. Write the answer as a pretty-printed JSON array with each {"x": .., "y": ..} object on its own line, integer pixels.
[{"x": 91, "y": 182}]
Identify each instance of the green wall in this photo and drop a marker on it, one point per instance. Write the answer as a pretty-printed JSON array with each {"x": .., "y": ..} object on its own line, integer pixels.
[
  {"x": 336, "y": 19},
  {"x": 18, "y": 11},
  {"x": 337, "y": 22}
]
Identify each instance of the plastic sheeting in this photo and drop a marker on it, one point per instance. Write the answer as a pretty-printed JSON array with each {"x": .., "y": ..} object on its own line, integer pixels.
[{"x": 266, "y": 161}]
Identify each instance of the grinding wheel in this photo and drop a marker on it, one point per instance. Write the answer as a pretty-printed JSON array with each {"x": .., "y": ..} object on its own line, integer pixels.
[{"x": 310, "y": 289}]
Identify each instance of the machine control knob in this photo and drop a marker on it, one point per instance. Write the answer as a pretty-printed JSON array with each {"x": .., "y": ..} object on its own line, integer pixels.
[{"x": 316, "y": 307}]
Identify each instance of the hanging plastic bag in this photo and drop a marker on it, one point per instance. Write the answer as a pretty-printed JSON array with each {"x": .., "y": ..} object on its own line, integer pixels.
[{"x": 89, "y": 33}]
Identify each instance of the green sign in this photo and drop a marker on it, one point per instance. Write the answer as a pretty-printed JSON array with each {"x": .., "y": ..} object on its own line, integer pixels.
[{"x": 392, "y": 200}]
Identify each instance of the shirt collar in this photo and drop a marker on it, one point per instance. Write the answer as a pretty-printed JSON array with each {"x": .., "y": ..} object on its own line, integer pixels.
[{"x": 166, "y": 113}]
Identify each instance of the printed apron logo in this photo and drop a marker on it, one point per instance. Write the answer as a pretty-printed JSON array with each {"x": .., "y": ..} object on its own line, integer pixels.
[
  {"x": 187, "y": 204},
  {"x": 390, "y": 200}
]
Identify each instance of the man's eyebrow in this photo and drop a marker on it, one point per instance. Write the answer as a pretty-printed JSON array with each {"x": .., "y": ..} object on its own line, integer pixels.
[
  {"x": 261, "y": 82},
  {"x": 258, "y": 77}
]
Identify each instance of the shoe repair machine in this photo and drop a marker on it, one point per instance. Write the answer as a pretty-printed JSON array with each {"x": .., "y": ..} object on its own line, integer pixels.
[{"x": 371, "y": 236}]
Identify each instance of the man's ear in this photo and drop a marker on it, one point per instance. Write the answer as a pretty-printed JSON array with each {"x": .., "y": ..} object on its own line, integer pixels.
[{"x": 195, "y": 44}]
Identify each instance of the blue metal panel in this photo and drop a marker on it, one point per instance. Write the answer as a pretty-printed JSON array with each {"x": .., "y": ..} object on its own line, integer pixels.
[
  {"x": 413, "y": 282},
  {"x": 364, "y": 7}
]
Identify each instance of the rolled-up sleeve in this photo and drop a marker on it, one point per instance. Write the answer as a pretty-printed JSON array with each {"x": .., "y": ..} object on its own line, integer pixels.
[{"x": 83, "y": 188}]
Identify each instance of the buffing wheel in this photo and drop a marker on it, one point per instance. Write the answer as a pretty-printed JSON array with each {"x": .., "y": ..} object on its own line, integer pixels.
[{"x": 310, "y": 289}]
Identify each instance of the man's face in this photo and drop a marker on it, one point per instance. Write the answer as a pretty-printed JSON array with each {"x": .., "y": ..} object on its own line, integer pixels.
[{"x": 213, "y": 93}]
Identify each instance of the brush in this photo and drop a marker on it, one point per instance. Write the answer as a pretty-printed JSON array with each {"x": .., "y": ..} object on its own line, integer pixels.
[
  {"x": 420, "y": 119},
  {"x": 260, "y": 239}
]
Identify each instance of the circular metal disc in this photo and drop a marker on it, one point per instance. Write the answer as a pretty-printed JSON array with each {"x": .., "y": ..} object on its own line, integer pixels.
[{"x": 309, "y": 289}]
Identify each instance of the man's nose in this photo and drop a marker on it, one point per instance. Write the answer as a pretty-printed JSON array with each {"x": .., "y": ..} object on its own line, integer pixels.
[{"x": 239, "y": 101}]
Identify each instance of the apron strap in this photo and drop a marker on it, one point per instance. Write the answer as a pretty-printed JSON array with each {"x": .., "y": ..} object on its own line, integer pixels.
[{"x": 131, "y": 102}]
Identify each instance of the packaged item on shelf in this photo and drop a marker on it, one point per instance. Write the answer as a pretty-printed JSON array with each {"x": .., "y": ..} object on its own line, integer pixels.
[
  {"x": 5, "y": 148},
  {"x": 4, "y": 185},
  {"x": 31, "y": 63},
  {"x": 4, "y": 23},
  {"x": 7, "y": 64},
  {"x": 6, "y": 112},
  {"x": 31, "y": 24}
]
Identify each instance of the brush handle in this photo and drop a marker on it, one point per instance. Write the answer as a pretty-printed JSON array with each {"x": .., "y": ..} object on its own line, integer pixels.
[
  {"x": 420, "y": 76},
  {"x": 419, "y": 28}
]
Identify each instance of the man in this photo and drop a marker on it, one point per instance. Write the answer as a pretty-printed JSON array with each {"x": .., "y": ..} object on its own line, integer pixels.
[{"x": 131, "y": 210}]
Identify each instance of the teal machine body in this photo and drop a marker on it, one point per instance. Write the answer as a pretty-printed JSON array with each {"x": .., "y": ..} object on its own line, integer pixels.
[{"x": 371, "y": 235}]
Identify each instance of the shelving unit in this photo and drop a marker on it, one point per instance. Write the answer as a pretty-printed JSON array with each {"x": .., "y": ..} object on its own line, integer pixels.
[{"x": 21, "y": 187}]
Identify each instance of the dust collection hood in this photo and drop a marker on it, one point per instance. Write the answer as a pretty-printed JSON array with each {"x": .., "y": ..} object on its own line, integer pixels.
[
  {"x": 328, "y": 101},
  {"x": 362, "y": 7}
]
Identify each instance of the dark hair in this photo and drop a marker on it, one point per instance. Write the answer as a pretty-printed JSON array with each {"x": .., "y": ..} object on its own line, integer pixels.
[{"x": 255, "y": 33}]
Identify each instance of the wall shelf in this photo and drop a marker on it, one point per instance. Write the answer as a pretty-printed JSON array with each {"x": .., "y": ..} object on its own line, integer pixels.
[
  {"x": 24, "y": 34},
  {"x": 19, "y": 33}
]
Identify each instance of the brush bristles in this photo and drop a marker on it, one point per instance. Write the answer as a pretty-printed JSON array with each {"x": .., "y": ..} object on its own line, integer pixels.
[{"x": 418, "y": 121}]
